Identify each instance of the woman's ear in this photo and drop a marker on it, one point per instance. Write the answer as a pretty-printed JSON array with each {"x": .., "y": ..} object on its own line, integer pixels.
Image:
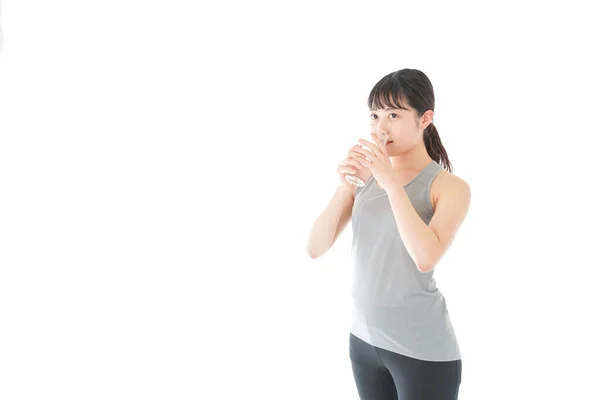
[{"x": 427, "y": 119}]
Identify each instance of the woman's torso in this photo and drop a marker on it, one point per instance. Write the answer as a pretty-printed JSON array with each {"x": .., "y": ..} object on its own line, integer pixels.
[{"x": 397, "y": 307}]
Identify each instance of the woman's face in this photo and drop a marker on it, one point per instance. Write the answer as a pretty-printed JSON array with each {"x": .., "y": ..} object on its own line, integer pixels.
[{"x": 404, "y": 128}]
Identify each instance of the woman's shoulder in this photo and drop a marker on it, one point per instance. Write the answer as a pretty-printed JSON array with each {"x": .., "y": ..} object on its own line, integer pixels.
[{"x": 446, "y": 182}]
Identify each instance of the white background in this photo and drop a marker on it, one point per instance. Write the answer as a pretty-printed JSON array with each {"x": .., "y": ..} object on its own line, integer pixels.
[{"x": 162, "y": 163}]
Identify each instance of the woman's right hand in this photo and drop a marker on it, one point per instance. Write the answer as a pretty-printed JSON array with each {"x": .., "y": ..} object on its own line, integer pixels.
[{"x": 350, "y": 165}]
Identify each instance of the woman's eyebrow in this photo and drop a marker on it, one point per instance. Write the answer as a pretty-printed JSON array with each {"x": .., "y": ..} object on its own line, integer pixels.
[{"x": 387, "y": 109}]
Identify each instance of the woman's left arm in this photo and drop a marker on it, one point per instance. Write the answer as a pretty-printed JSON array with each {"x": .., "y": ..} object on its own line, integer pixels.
[{"x": 426, "y": 244}]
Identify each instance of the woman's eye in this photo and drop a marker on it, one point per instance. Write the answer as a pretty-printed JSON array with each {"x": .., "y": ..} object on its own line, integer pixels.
[
  {"x": 373, "y": 116},
  {"x": 395, "y": 115}
]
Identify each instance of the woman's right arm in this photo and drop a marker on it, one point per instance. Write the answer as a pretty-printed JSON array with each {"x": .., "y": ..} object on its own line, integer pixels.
[{"x": 331, "y": 222}]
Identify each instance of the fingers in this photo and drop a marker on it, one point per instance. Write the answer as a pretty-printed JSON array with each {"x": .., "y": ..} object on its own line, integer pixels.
[
  {"x": 347, "y": 170},
  {"x": 352, "y": 149},
  {"x": 357, "y": 154},
  {"x": 354, "y": 163},
  {"x": 361, "y": 157},
  {"x": 351, "y": 164},
  {"x": 372, "y": 148},
  {"x": 354, "y": 159}
]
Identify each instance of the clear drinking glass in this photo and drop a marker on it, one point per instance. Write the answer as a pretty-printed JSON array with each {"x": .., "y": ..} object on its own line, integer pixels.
[{"x": 355, "y": 180}]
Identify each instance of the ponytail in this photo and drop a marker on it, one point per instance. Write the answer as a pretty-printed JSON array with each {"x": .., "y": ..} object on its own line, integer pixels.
[{"x": 434, "y": 147}]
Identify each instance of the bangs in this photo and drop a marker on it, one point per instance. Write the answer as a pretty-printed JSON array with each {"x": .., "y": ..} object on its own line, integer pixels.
[{"x": 386, "y": 93}]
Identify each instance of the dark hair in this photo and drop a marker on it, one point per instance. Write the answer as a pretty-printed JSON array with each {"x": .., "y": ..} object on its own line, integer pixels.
[{"x": 413, "y": 87}]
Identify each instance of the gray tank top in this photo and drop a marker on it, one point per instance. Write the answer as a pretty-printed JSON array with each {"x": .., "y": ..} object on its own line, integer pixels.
[{"x": 397, "y": 307}]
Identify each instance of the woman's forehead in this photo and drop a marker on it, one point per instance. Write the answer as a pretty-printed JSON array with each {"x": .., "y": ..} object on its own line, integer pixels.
[{"x": 383, "y": 102}]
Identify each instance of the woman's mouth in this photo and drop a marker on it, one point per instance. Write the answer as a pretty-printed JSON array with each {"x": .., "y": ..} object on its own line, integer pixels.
[{"x": 389, "y": 143}]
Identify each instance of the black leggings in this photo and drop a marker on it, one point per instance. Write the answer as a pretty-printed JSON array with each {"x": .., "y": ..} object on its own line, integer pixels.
[{"x": 384, "y": 375}]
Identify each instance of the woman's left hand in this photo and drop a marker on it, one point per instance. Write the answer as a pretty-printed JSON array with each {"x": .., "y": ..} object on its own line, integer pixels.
[{"x": 379, "y": 164}]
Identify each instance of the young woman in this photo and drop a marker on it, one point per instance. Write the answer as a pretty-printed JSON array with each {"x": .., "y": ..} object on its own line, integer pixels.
[{"x": 402, "y": 343}]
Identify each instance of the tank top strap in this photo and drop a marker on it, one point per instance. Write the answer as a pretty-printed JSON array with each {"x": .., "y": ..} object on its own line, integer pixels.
[{"x": 429, "y": 173}]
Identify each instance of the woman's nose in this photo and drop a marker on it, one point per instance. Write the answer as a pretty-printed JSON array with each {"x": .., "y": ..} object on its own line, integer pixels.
[{"x": 382, "y": 127}]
